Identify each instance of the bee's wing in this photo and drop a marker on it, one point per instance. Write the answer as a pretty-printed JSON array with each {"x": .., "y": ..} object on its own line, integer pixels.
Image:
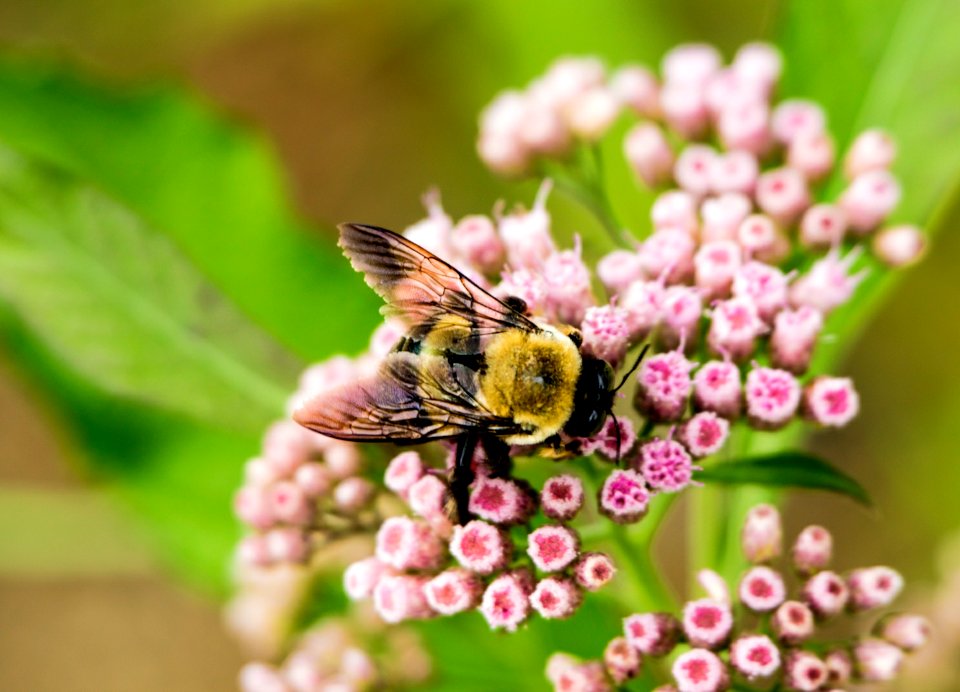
[
  {"x": 420, "y": 286},
  {"x": 410, "y": 398}
]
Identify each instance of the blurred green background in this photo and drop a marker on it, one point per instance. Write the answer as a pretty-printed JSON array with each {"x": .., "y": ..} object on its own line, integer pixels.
[{"x": 138, "y": 368}]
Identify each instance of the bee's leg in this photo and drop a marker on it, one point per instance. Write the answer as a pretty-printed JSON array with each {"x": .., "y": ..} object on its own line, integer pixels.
[
  {"x": 498, "y": 456},
  {"x": 463, "y": 476}
]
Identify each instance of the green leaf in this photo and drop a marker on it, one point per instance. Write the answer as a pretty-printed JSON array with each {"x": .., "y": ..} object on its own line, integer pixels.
[
  {"x": 793, "y": 469},
  {"x": 121, "y": 306},
  {"x": 215, "y": 189}
]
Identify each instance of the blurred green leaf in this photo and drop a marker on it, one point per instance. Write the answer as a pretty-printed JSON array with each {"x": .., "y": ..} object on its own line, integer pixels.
[
  {"x": 213, "y": 188},
  {"x": 116, "y": 302},
  {"x": 793, "y": 469}
]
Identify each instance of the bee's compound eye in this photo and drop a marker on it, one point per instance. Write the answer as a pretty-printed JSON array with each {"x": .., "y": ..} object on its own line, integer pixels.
[{"x": 585, "y": 422}]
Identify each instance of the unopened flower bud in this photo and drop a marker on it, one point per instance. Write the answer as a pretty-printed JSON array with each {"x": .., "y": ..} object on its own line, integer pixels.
[
  {"x": 762, "y": 589},
  {"x": 772, "y": 397},
  {"x": 823, "y": 226},
  {"x": 693, "y": 170},
  {"x": 795, "y": 117},
  {"x": 831, "y": 401},
  {"x": 555, "y": 598},
  {"x": 716, "y": 388},
  {"x": 874, "y": 587},
  {"x": 590, "y": 114},
  {"x": 735, "y": 326},
  {"x": 506, "y": 602},
  {"x": 665, "y": 465},
  {"x": 290, "y": 503},
  {"x": 804, "y": 671},
  {"x": 734, "y": 171},
  {"x": 826, "y": 593},
  {"x": 594, "y": 570},
  {"x": 675, "y": 209},
  {"x": 812, "y": 154},
  {"x": 782, "y": 193},
  {"x": 723, "y": 215},
  {"x": 793, "y": 623},
  {"x": 636, "y": 87},
  {"x": 480, "y": 547},
  {"x": 621, "y": 660},
  {"x": 569, "y": 293},
  {"x": 812, "y": 550},
  {"x": 562, "y": 497},
  {"x": 652, "y": 634},
  {"x": 618, "y": 269},
  {"x": 649, "y": 154},
  {"x": 744, "y": 123},
  {"x": 714, "y": 585},
  {"x": 707, "y": 623},
  {"x": 871, "y": 150},
  {"x": 758, "y": 63},
  {"x": 643, "y": 301},
  {"x": 624, "y": 496},
  {"x": 261, "y": 677},
  {"x": 453, "y": 591},
  {"x": 716, "y": 263},
  {"x": 360, "y": 577},
  {"x": 433, "y": 232},
  {"x": 552, "y": 548},
  {"x": 899, "y": 246},
  {"x": 353, "y": 494},
  {"x": 476, "y": 240},
  {"x": 755, "y": 657},
  {"x": 699, "y": 670},
  {"x": 877, "y": 660},
  {"x": 762, "y": 535},
  {"x": 794, "y": 337},
  {"x": 763, "y": 284},
  {"x": 526, "y": 235},
  {"x": 668, "y": 252},
  {"x": 401, "y": 597},
  {"x": 869, "y": 199},
  {"x": 500, "y": 501},
  {"x": 405, "y": 543},
  {"x": 839, "y": 666},
  {"x": 664, "y": 386},
  {"x": 909, "y": 632},
  {"x": 682, "y": 309}
]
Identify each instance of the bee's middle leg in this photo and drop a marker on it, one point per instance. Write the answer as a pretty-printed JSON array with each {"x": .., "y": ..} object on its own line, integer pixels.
[
  {"x": 497, "y": 453},
  {"x": 462, "y": 476}
]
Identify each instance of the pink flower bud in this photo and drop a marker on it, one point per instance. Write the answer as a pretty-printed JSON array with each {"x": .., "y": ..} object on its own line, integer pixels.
[
  {"x": 772, "y": 397},
  {"x": 552, "y": 548},
  {"x": 755, "y": 657},
  {"x": 664, "y": 386},
  {"x": 503, "y": 153},
  {"x": 758, "y": 63},
  {"x": 831, "y": 401},
  {"x": 606, "y": 333},
  {"x": 812, "y": 550},
  {"x": 812, "y": 154},
  {"x": 527, "y": 285},
  {"x": 359, "y": 578},
  {"x": 723, "y": 215},
  {"x": 763, "y": 284},
  {"x": 252, "y": 551},
  {"x": 684, "y": 108},
  {"x": 636, "y": 87},
  {"x": 760, "y": 238},
  {"x": 899, "y": 246},
  {"x": 762, "y": 589},
  {"x": 253, "y": 505},
  {"x": 682, "y": 309},
  {"x": 762, "y": 535},
  {"x": 585, "y": 677},
  {"x": 403, "y": 471},
  {"x": 652, "y": 634},
  {"x": 624, "y": 496},
  {"x": 793, "y": 339},
  {"x": 909, "y": 632},
  {"x": 562, "y": 497},
  {"x": 594, "y": 570},
  {"x": 716, "y": 388},
  {"x": 876, "y": 660},
  {"x": 505, "y": 114},
  {"x": 325, "y": 376},
  {"x": 716, "y": 264},
  {"x": 568, "y": 78},
  {"x": 643, "y": 301},
  {"x": 649, "y": 154},
  {"x": 665, "y": 465},
  {"x": 675, "y": 209},
  {"x": 386, "y": 336},
  {"x": 453, "y": 591},
  {"x": 433, "y": 232},
  {"x": 605, "y": 443},
  {"x": 555, "y": 598},
  {"x": 782, "y": 193},
  {"x": 823, "y": 225},
  {"x": 869, "y": 199},
  {"x": 357, "y": 668},
  {"x": 714, "y": 585},
  {"x": 804, "y": 671},
  {"x": 621, "y": 660},
  {"x": 699, "y": 670},
  {"x": 544, "y": 130},
  {"x": 475, "y": 239},
  {"x": 406, "y": 543},
  {"x": 793, "y": 623},
  {"x": 707, "y": 623},
  {"x": 693, "y": 170},
  {"x": 427, "y": 498},
  {"x": 353, "y": 494},
  {"x": 827, "y": 284},
  {"x": 480, "y": 547},
  {"x": 400, "y": 597},
  {"x": 290, "y": 504},
  {"x": 260, "y": 473},
  {"x": 500, "y": 501},
  {"x": 590, "y": 114},
  {"x": 744, "y": 123},
  {"x": 690, "y": 63},
  {"x": 261, "y": 677},
  {"x": 873, "y": 587},
  {"x": 735, "y": 325},
  {"x": 505, "y": 603},
  {"x": 285, "y": 446},
  {"x": 526, "y": 235},
  {"x": 314, "y": 479},
  {"x": 568, "y": 286},
  {"x": 826, "y": 594},
  {"x": 795, "y": 117},
  {"x": 618, "y": 270},
  {"x": 871, "y": 150},
  {"x": 342, "y": 460},
  {"x": 287, "y": 545},
  {"x": 839, "y": 667},
  {"x": 668, "y": 252},
  {"x": 734, "y": 171}
]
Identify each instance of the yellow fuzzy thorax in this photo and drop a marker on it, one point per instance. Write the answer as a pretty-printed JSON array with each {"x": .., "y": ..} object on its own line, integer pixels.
[{"x": 531, "y": 378}]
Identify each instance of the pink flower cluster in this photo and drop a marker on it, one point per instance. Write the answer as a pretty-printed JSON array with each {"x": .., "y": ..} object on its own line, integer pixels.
[
  {"x": 335, "y": 654},
  {"x": 724, "y": 642},
  {"x": 425, "y": 566}
]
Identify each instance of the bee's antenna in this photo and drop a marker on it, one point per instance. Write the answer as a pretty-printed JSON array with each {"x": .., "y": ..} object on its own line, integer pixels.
[{"x": 636, "y": 365}]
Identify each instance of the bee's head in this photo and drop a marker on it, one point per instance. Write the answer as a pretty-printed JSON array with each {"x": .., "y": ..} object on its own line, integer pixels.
[{"x": 593, "y": 399}]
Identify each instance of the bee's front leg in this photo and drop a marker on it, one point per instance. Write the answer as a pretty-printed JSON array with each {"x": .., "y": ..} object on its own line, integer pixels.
[
  {"x": 498, "y": 455},
  {"x": 463, "y": 475}
]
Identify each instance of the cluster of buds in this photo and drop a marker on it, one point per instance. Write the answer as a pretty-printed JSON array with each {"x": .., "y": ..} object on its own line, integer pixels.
[
  {"x": 761, "y": 635},
  {"x": 425, "y": 566},
  {"x": 335, "y": 654},
  {"x": 304, "y": 489}
]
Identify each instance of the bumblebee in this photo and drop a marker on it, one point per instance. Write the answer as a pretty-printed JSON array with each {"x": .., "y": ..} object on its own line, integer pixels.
[{"x": 472, "y": 368}]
